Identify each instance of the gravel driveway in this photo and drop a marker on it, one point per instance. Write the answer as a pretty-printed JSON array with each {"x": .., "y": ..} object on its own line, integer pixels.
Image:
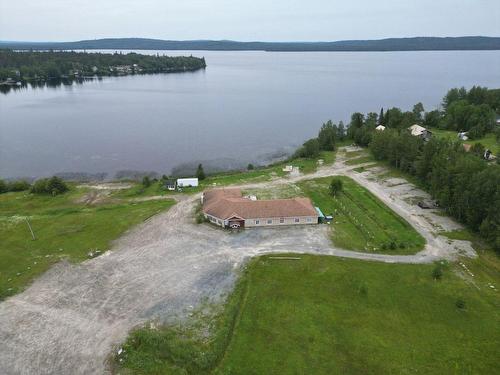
[{"x": 69, "y": 319}]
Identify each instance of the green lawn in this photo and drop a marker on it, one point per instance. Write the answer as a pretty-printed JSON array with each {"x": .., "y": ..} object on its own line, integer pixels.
[
  {"x": 360, "y": 160},
  {"x": 63, "y": 229},
  {"x": 361, "y": 221},
  {"x": 306, "y": 166},
  {"x": 326, "y": 315},
  {"x": 488, "y": 141}
]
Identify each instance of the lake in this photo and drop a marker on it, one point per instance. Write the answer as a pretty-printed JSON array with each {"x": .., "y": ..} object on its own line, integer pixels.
[{"x": 245, "y": 107}]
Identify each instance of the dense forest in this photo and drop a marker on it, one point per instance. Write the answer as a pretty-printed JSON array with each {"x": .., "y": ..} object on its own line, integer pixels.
[
  {"x": 50, "y": 65},
  {"x": 462, "y": 182},
  {"x": 390, "y": 44}
]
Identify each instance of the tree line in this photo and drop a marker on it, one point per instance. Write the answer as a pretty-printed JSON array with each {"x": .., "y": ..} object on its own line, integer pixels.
[
  {"x": 26, "y": 66},
  {"x": 464, "y": 184},
  {"x": 49, "y": 186},
  {"x": 326, "y": 140}
]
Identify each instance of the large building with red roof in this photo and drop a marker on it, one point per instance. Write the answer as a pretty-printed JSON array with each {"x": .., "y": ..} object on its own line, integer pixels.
[{"x": 228, "y": 208}]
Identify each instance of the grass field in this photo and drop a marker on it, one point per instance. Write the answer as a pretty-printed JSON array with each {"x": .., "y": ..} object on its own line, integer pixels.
[
  {"x": 261, "y": 174},
  {"x": 361, "y": 221},
  {"x": 267, "y": 173},
  {"x": 488, "y": 141},
  {"x": 64, "y": 229},
  {"x": 325, "y": 315}
]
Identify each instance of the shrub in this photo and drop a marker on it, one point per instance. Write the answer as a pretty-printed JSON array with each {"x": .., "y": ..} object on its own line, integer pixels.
[
  {"x": 437, "y": 271},
  {"x": 460, "y": 304},
  {"x": 56, "y": 185},
  {"x": 3, "y": 187},
  {"x": 200, "y": 173},
  {"x": 310, "y": 149},
  {"x": 250, "y": 167},
  {"x": 336, "y": 186},
  {"x": 53, "y": 186},
  {"x": 392, "y": 245},
  {"x": 19, "y": 185},
  {"x": 146, "y": 181}
]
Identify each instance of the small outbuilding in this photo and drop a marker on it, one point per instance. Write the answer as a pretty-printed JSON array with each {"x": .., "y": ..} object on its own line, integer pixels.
[
  {"x": 380, "y": 128},
  {"x": 171, "y": 184},
  {"x": 187, "y": 182}
]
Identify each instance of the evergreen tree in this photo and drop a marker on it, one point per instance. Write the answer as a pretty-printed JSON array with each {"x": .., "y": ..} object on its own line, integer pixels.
[{"x": 200, "y": 173}]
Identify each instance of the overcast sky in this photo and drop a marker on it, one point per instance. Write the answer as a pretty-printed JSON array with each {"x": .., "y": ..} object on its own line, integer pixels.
[{"x": 267, "y": 20}]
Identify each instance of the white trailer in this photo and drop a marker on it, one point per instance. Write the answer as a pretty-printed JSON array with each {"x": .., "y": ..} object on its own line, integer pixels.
[{"x": 187, "y": 182}]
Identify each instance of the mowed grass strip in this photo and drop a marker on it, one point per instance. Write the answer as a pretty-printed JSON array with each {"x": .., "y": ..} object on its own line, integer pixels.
[
  {"x": 326, "y": 315},
  {"x": 64, "y": 229},
  {"x": 323, "y": 315},
  {"x": 361, "y": 221}
]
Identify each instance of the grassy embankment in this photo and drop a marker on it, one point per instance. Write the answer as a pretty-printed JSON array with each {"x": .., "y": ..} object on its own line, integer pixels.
[
  {"x": 324, "y": 315},
  {"x": 361, "y": 221},
  {"x": 261, "y": 174},
  {"x": 64, "y": 229}
]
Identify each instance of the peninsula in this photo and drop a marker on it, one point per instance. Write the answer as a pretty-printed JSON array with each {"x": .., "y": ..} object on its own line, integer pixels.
[{"x": 20, "y": 67}]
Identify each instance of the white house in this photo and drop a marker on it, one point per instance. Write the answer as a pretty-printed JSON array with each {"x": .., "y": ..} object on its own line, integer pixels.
[
  {"x": 187, "y": 182},
  {"x": 380, "y": 128}
]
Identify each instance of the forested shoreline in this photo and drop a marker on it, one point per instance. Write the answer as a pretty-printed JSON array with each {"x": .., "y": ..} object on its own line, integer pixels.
[
  {"x": 463, "y": 183},
  {"x": 28, "y": 66}
]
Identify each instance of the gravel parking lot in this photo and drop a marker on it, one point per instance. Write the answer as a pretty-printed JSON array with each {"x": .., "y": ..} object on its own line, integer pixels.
[{"x": 71, "y": 318}]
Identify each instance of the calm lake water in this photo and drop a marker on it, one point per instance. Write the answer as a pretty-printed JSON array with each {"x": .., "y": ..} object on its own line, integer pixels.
[{"x": 243, "y": 108}]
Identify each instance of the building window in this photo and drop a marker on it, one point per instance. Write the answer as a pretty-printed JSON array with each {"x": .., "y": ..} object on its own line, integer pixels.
[
  {"x": 297, "y": 220},
  {"x": 257, "y": 222},
  {"x": 309, "y": 220},
  {"x": 270, "y": 221},
  {"x": 282, "y": 220},
  {"x": 219, "y": 222}
]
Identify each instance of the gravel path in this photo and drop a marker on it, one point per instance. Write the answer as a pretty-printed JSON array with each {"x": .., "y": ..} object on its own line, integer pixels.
[{"x": 70, "y": 319}]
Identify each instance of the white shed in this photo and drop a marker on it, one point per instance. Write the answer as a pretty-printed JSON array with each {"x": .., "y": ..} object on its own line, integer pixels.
[{"x": 186, "y": 182}]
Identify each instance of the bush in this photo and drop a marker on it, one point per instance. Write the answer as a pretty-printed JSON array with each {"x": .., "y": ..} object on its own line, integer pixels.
[
  {"x": 310, "y": 149},
  {"x": 146, "y": 181},
  {"x": 250, "y": 167},
  {"x": 460, "y": 304},
  {"x": 20, "y": 185},
  {"x": 392, "y": 245},
  {"x": 53, "y": 186},
  {"x": 200, "y": 173},
  {"x": 336, "y": 186},
  {"x": 437, "y": 271},
  {"x": 3, "y": 187}
]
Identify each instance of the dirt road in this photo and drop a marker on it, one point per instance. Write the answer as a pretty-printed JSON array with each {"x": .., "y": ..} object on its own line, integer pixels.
[{"x": 70, "y": 319}]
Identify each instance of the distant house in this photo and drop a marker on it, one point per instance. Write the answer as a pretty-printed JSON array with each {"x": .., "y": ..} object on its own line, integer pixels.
[
  {"x": 187, "y": 182},
  {"x": 170, "y": 184},
  {"x": 420, "y": 131},
  {"x": 488, "y": 155},
  {"x": 463, "y": 136},
  {"x": 380, "y": 128},
  {"x": 229, "y": 209},
  {"x": 498, "y": 119}
]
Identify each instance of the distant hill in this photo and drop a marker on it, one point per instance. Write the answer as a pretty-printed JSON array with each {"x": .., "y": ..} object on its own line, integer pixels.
[{"x": 392, "y": 44}]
